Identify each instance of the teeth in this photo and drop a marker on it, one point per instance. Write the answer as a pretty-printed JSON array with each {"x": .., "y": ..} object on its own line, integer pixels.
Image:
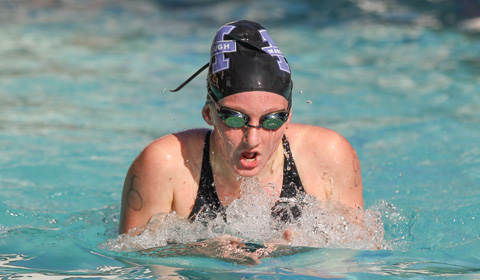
[{"x": 249, "y": 157}]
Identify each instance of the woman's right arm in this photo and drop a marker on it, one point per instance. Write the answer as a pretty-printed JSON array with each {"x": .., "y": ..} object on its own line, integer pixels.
[{"x": 146, "y": 191}]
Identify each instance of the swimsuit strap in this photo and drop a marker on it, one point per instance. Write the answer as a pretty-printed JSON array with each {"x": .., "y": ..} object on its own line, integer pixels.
[
  {"x": 207, "y": 203},
  {"x": 287, "y": 210},
  {"x": 292, "y": 184}
]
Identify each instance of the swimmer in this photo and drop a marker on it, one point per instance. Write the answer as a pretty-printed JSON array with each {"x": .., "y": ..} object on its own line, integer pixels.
[{"x": 197, "y": 173}]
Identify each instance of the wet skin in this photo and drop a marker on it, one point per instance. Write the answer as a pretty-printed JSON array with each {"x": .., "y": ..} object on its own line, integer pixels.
[{"x": 165, "y": 176}]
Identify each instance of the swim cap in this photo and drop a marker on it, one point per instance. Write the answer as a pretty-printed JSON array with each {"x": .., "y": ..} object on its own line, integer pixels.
[{"x": 243, "y": 58}]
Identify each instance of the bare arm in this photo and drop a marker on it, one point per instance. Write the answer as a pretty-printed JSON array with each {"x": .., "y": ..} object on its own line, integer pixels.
[
  {"x": 146, "y": 191},
  {"x": 345, "y": 165}
]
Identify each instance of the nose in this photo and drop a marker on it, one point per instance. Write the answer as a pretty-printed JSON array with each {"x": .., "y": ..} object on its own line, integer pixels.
[{"x": 252, "y": 135}]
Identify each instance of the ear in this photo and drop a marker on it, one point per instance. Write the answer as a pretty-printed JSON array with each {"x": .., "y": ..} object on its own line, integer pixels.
[{"x": 207, "y": 114}]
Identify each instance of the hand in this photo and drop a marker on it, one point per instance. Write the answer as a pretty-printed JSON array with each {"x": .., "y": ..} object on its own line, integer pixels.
[
  {"x": 232, "y": 249},
  {"x": 288, "y": 236}
]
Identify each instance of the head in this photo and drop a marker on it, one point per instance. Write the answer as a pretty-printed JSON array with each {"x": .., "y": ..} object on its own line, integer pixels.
[{"x": 249, "y": 96}]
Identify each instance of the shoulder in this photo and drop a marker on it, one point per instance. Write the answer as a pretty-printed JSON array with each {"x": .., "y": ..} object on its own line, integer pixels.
[
  {"x": 175, "y": 144},
  {"x": 168, "y": 162},
  {"x": 327, "y": 163},
  {"x": 171, "y": 151},
  {"x": 161, "y": 170},
  {"x": 176, "y": 140},
  {"x": 318, "y": 142}
]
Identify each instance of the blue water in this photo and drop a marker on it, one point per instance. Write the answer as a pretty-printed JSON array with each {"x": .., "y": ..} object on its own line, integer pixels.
[{"x": 82, "y": 91}]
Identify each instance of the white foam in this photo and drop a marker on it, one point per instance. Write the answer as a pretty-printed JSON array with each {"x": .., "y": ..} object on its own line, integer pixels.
[{"x": 321, "y": 224}]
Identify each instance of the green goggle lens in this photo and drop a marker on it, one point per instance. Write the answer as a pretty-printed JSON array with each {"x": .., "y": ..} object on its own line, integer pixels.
[
  {"x": 236, "y": 119},
  {"x": 235, "y": 122},
  {"x": 272, "y": 123}
]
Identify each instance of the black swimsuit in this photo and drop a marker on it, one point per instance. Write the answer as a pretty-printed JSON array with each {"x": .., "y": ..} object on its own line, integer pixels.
[{"x": 207, "y": 204}]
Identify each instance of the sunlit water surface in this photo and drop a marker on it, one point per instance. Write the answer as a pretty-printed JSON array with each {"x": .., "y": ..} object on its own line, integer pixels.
[{"x": 82, "y": 91}]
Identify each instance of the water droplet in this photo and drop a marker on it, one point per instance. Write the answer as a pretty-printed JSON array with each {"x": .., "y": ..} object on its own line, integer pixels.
[
  {"x": 309, "y": 101},
  {"x": 321, "y": 224},
  {"x": 300, "y": 92}
]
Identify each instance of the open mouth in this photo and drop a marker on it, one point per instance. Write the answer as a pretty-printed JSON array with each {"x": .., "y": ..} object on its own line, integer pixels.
[
  {"x": 249, "y": 156},
  {"x": 249, "y": 159}
]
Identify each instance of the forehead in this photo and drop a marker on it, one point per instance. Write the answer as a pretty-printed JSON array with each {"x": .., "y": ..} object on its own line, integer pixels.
[{"x": 261, "y": 101}]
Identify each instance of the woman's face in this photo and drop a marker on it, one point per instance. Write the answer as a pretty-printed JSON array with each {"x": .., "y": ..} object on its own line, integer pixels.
[{"x": 248, "y": 150}]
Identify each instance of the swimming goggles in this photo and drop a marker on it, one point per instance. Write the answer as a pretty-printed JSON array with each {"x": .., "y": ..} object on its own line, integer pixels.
[{"x": 237, "y": 119}]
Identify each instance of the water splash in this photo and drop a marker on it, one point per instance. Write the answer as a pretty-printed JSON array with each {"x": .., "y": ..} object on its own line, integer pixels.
[{"x": 249, "y": 219}]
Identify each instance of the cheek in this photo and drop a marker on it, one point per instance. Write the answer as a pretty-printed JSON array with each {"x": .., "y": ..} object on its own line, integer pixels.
[
  {"x": 276, "y": 138},
  {"x": 272, "y": 139},
  {"x": 230, "y": 140}
]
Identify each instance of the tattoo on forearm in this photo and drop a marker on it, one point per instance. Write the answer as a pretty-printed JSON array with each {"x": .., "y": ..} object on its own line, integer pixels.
[{"x": 134, "y": 199}]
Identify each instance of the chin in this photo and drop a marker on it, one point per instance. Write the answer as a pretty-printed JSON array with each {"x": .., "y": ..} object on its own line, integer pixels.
[{"x": 248, "y": 173}]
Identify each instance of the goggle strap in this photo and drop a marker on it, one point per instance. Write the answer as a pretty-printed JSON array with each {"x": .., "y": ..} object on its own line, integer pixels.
[
  {"x": 191, "y": 78},
  {"x": 246, "y": 44}
]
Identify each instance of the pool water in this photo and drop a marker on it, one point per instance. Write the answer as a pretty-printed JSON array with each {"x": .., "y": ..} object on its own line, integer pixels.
[{"x": 83, "y": 90}]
